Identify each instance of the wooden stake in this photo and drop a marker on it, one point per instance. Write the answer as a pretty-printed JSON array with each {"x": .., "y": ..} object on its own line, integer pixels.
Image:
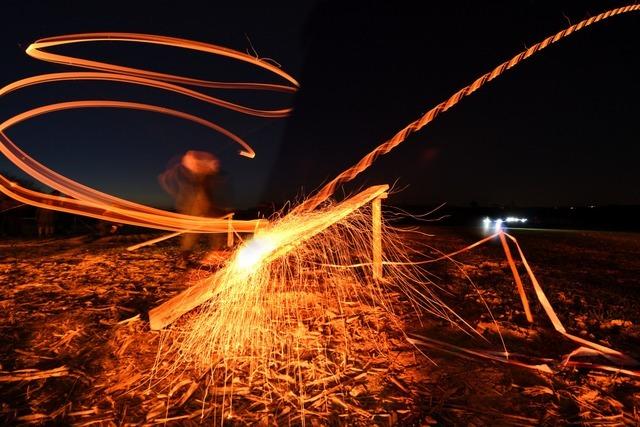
[
  {"x": 376, "y": 207},
  {"x": 516, "y": 276},
  {"x": 230, "y": 232}
]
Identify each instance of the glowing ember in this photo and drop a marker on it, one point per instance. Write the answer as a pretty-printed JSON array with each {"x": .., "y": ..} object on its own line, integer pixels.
[{"x": 253, "y": 253}]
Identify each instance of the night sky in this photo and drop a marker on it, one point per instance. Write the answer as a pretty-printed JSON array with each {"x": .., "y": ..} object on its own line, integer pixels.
[{"x": 560, "y": 129}]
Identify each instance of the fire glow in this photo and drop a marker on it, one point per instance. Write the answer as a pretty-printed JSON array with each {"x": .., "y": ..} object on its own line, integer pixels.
[
  {"x": 253, "y": 253},
  {"x": 301, "y": 267},
  {"x": 323, "y": 257}
]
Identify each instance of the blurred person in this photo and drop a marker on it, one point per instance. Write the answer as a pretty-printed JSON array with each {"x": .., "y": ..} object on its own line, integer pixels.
[
  {"x": 104, "y": 228},
  {"x": 192, "y": 184}
]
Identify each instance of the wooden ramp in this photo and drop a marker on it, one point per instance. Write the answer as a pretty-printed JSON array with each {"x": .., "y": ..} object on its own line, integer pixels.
[{"x": 171, "y": 310}]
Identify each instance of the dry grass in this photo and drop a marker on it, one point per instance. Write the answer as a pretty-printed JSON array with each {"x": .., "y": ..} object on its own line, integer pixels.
[{"x": 79, "y": 310}]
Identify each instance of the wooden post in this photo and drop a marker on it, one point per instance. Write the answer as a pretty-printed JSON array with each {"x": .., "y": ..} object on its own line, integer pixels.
[
  {"x": 516, "y": 276},
  {"x": 230, "y": 231},
  {"x": 376, "y": 207}
]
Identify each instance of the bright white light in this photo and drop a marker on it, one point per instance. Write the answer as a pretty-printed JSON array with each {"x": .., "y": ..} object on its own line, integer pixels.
[
  {"x": 254, "y": 252},
  {"x": 510, "y": 219},
  {"x": 499, "y": 224}
]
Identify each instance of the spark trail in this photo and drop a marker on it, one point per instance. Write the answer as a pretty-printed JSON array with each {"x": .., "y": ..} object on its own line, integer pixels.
[{"x": 328, "y": 189}]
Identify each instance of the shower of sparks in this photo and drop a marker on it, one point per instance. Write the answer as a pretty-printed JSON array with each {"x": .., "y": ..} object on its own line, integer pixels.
[
  {"x": 261, "y": 305},
  {"x": 267, "y": 246},
  {"x": 259, "y": 310}
]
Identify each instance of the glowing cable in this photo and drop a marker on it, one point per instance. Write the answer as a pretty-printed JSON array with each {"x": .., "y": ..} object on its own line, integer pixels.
[{"x": 328, "y": 189}]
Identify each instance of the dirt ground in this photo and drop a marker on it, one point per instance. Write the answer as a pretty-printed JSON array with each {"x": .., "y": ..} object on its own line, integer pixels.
[{"x": 75, "y": 346}]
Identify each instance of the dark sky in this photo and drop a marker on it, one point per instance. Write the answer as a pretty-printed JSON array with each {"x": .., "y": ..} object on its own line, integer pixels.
[{"x": 560, "y": 129}]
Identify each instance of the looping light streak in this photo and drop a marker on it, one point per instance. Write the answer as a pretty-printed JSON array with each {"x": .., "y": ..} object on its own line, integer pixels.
[
  {"x": 35, "y": 50},
  {"x": 125, "y": 105},
  {"x": 349, "y": 174},
  {"x": 93, "y": 203}
]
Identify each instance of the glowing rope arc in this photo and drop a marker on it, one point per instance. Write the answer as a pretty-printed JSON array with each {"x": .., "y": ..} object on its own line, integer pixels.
[
  {"x": 35, "y": 50},
  {"x": 328, "y": 189},
  {"x": 91, "y": 202},
  {"x": 71, "y": 105}
]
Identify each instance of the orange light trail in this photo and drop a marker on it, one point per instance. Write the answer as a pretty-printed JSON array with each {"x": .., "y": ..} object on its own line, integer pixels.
[{"x": 90, "y": 202}]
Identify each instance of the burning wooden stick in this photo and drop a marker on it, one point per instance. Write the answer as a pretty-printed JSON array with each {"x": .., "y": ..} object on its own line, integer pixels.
[
  {"x": 33, "y": 374},
  {"x": 154, "y": 241},
  {"x": 164, "y": 237},
  {"x": 376, "y": 207},
  {"x": 516, "y": 277}
]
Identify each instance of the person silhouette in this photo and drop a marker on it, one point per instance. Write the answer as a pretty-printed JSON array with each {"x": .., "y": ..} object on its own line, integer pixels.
[{"x": 191, "y": 183}]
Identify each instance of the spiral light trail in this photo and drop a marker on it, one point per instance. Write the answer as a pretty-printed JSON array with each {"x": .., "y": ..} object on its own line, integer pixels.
[{"x": 90, "y": 202}]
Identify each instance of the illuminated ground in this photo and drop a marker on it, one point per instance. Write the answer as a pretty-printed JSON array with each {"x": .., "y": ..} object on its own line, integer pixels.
[{"x": 72, "y": 305}]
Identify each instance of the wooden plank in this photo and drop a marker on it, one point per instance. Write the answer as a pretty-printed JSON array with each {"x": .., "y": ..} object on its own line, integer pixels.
[
  {"x": 516, "y": 276},
  {"x": 228, "y": 217},
  {"x": 169, "y": 311},
  {"x": 154, "y": 241}
]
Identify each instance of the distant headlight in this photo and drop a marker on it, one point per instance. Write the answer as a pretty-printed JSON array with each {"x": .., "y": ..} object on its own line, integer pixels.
[{"x": 498, "y": 223}]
